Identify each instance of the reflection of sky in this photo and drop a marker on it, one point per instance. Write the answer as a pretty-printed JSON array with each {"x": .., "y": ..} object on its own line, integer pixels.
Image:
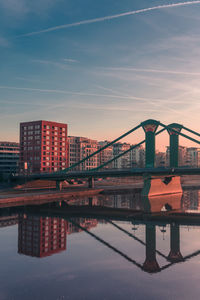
[
  {"x": 121, "y": 70},
  {"x": 89, "y": 270}
]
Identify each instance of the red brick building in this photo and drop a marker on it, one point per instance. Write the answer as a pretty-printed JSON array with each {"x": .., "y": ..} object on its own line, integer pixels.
[
  {"x": 43, "y": 146},
  {"x": 41, "y": 236}
]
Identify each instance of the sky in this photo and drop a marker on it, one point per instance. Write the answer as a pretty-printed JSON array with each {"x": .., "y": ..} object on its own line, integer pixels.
[{"x": 100, "y": 66}]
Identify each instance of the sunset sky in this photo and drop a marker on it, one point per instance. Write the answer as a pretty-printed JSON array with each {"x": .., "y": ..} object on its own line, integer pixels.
[{"x": 100, "y": 66}]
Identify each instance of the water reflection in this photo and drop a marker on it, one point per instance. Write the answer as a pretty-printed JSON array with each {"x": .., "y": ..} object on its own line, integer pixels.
[
  {"x": 41, "y": 236},
  {"x": 43, "y": 230}
]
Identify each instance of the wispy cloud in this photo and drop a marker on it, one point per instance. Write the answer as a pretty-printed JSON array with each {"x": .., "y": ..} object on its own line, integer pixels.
[
  {"x": 152, "y": 71},
  {"x": 55, "y": 91},
  {"x": 105, "y": 18},
  {"x": 69, "y": 60},
  {"x": 51, "y": 63}
]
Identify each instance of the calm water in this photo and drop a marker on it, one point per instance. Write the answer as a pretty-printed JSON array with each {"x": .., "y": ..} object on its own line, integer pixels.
[{"x": 45, "y": 255}]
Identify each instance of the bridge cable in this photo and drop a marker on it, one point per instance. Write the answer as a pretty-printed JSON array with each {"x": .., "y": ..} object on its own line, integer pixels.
[
  {"x": 181, "y": 134},
  {"x": 134, "y": 237},
  {"x": 191, "y": 131},
  {"x": 107, "y": 244},
  {"x": 101, "y": 149},
  {"x": 123, "y": 153}
]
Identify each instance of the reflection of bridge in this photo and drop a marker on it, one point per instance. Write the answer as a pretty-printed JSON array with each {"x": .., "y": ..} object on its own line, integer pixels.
[
  {"x": 75, "y": 215},
  {"x": 150, "y": 128}
]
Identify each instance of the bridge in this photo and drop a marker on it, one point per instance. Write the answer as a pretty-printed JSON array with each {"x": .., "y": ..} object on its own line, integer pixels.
[{"x": 168, "y": 176}]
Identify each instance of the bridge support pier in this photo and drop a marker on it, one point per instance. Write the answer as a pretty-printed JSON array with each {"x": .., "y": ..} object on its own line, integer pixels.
[
  {"x": 157, "y": 186},
  {"x": 91, "y": 182},
  {"x": 175, "y": 253},
  {"x": 174, "y": 143},
  {"x": 59, "y": 185}
]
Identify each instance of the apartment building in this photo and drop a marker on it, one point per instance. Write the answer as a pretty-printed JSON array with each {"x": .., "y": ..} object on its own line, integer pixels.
[
  {"x": 79, "y": 148},
  {"x": 9, "y": 158},
  {"x": 43, "y": 146}
]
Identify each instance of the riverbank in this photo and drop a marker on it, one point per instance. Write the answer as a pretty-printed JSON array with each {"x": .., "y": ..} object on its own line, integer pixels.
[{"x": 37, "y": 194}]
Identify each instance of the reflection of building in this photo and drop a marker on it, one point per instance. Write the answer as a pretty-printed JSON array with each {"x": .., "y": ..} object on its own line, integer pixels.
[
  {"x": 6, "y": 221},
  {"x": 40, "y": 237},
  {"x": 9, "y": 157},
  {"x": 83, "y": 222},
  {"x": 43, "y": 146},
  {"x": 190, "y": 200}
]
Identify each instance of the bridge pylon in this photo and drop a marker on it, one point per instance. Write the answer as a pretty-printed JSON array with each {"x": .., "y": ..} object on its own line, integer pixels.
[
  {"x": 150, "y": 127},
  {"x": 174, "y": 143}
]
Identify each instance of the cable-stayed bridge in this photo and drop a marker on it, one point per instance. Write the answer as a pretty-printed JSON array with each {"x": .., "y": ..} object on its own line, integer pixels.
[{"x": 150, "y": 128}]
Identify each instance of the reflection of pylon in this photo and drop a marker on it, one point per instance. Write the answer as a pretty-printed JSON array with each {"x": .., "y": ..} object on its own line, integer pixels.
[
  {"x": 151, "y": 265},
  {"x": 175, "y": 253}
]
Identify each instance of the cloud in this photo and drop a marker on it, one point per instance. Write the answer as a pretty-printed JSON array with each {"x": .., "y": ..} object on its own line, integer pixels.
[
  {"x": 78, "y": 93},
  {"x": 105, "y": 18},
  {"x": 51, "y": 63},
  {"x": 19, "y": 8},
  {"x": 69, "y": 60},
  {"x": 152, "y": 71}
]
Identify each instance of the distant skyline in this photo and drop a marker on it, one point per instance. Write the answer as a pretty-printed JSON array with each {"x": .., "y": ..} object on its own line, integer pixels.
[{"x": 102, "y": 67}]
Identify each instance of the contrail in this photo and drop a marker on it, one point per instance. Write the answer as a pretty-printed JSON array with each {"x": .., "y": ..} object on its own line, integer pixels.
[{"x": 101, "y": 19}]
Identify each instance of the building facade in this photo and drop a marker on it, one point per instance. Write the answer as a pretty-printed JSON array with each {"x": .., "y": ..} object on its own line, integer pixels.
[
  {"x": 105, "y": 155},
  {"x": 193, "y": 157},
  {"x": 9, "y": 158},
  {"x": 43, "y": 147},
  {"x": 133, "y": 158},
  {"x": 79, "y": 148}
]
